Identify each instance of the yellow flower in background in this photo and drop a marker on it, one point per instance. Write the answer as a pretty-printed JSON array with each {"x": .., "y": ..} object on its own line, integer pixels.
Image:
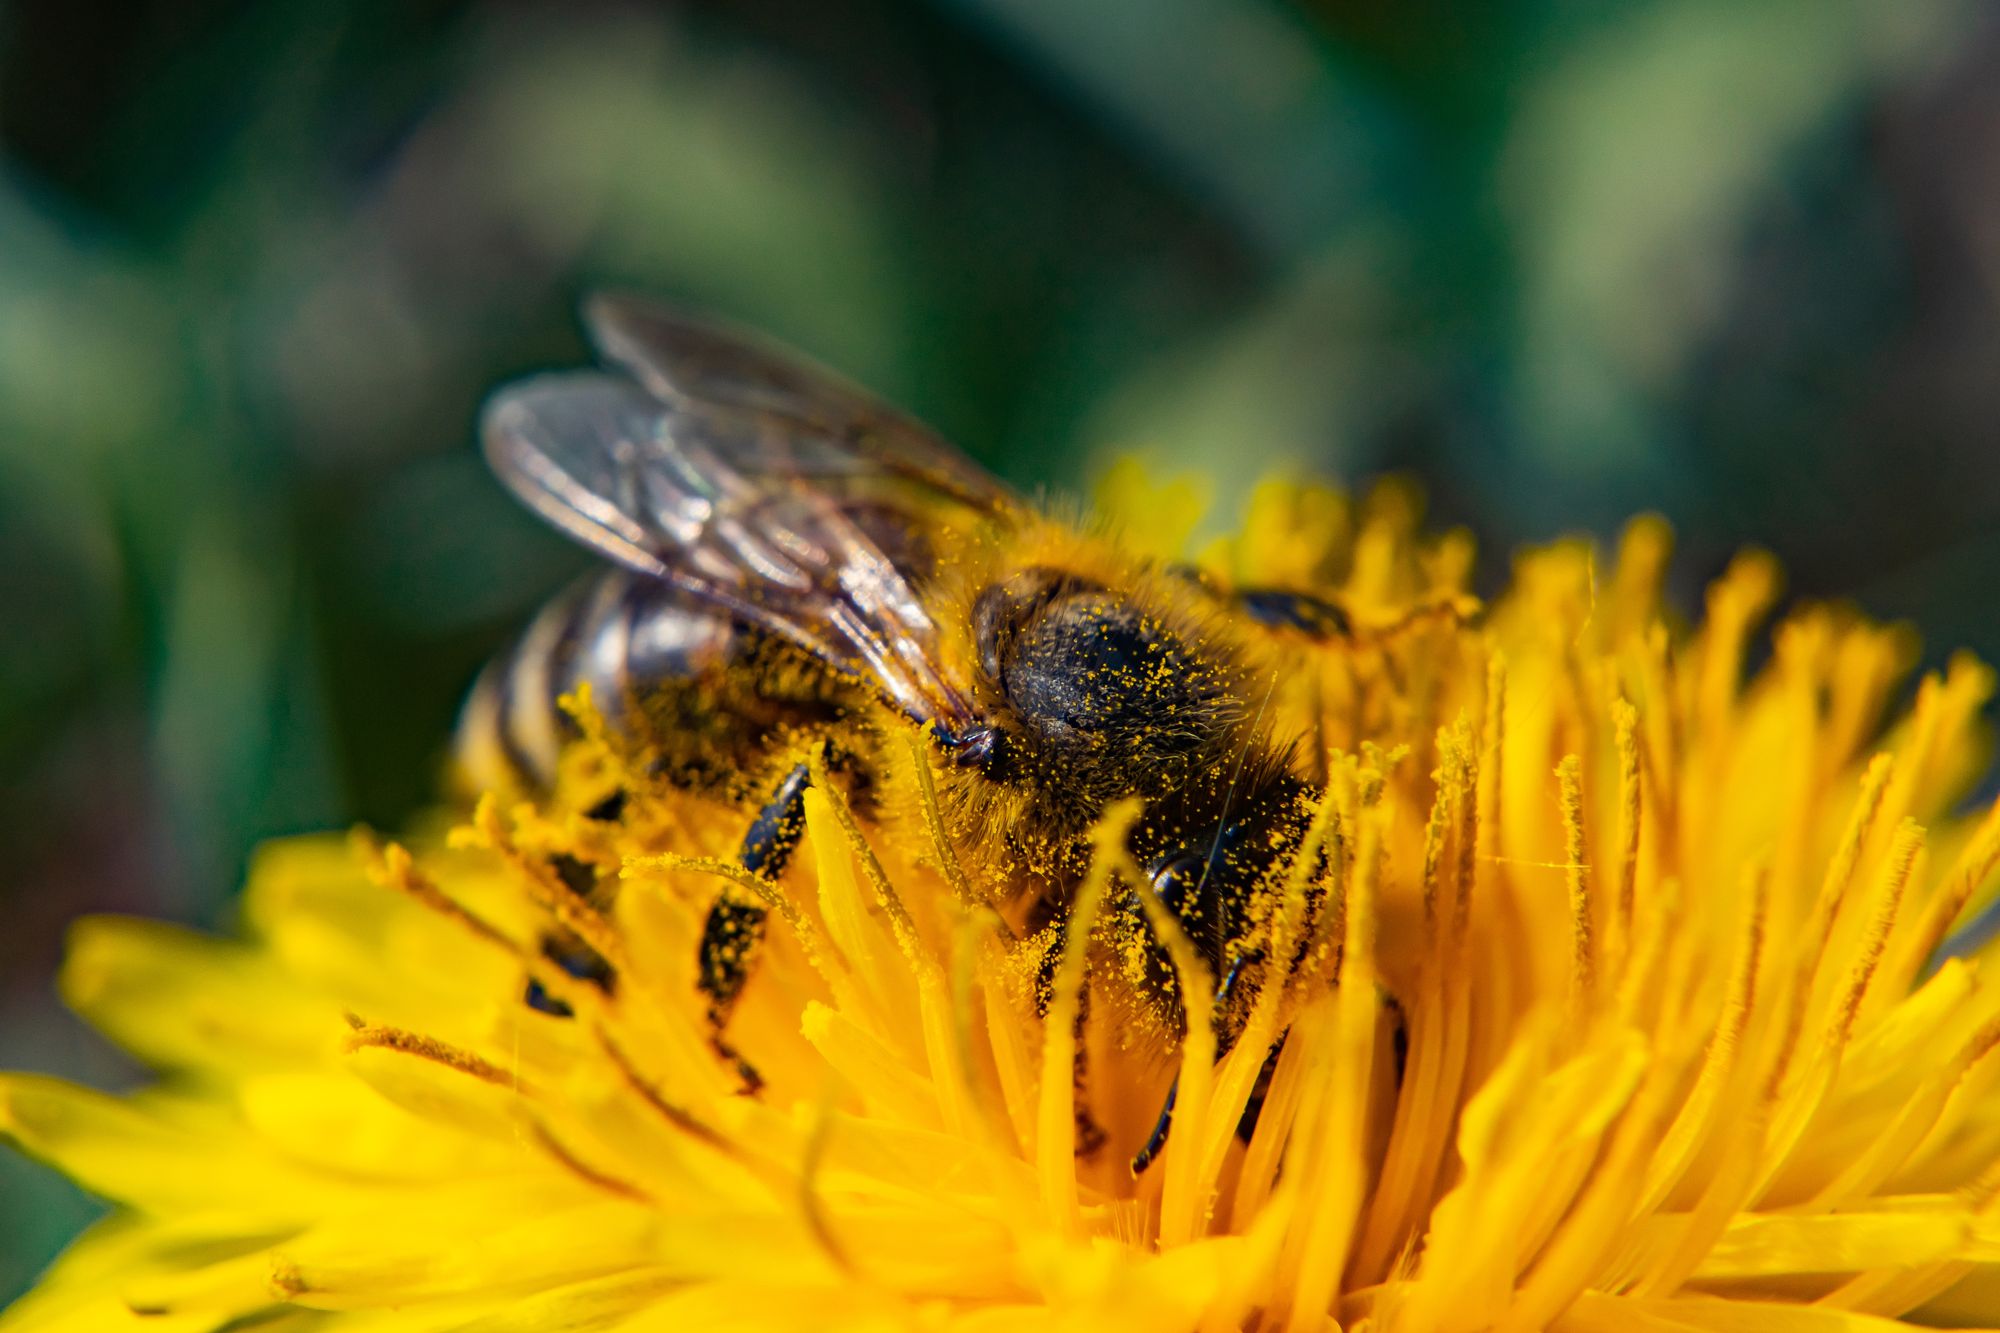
[{"x": 1626, "y": 1015}]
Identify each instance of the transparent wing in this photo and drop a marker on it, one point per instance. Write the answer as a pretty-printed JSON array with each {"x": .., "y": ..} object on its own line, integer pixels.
[
  {"x": 839, "y": 428},
  {"x": 713, "y": 497}
]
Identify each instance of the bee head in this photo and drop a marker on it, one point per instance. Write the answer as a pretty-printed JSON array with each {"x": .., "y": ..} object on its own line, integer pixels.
[{"x": 1102, "y": 696}]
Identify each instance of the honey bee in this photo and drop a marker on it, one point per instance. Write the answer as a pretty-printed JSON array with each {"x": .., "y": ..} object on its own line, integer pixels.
[{"x": 791, "y": 560}]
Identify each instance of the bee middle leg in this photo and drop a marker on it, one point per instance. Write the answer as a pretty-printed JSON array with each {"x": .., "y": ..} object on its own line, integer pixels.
[
  {"x": 1157, "y": 1140},
  {"x": 735, "y": 926}
]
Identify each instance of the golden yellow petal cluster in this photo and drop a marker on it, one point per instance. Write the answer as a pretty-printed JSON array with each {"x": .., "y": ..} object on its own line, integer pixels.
[{"x": 1629, "y": 1013}]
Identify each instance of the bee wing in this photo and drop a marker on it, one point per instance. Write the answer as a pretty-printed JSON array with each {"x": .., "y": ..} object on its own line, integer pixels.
[
  {"x": 839, "y": 427},
  {"x": 748, "y": 510}
]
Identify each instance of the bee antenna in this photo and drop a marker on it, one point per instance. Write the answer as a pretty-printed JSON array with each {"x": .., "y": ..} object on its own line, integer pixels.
[{"x": 1236, "y": 781}]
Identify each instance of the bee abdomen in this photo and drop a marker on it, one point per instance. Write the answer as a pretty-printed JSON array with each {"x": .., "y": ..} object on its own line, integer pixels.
[{"x": 617, "y": 632}]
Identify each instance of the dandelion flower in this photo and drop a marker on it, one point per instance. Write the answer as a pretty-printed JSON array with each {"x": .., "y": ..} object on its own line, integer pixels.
[{"x": 1629, "y": 1011}]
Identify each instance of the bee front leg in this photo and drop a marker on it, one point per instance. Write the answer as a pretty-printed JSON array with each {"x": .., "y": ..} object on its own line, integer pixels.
[
  {"x": 1286, "y": 608},
  {"x": 735, "y": 925}
]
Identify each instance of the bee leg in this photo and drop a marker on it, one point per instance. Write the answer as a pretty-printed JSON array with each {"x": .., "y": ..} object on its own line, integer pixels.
[
  {"x": 1253, "y": 1109},
  {"x": 735, "y": 924},
  {"x": 1157, "y": 1140},
  {"x": 1399, "y": 1034},
  {"x": 608, "y": 809},
  {"x": 580, "y": 961},
  {"x": 565, "y": 950},
  {"x": 1282, "y": 608},
  {"x": 1399, "y": 1052},
  {"x": 1312, "y": 616},
  {"x": 1325, "y": 621}
]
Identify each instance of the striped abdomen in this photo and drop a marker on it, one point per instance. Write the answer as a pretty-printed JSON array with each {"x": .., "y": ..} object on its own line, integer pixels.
[{"x": 623, "y": 634}]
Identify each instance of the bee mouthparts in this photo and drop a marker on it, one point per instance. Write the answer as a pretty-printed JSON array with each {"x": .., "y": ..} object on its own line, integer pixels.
[{"x": 979, "y": 748}]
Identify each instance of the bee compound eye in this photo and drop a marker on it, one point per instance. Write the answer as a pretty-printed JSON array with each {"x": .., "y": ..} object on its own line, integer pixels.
[{"x": 1004, "y": 609}]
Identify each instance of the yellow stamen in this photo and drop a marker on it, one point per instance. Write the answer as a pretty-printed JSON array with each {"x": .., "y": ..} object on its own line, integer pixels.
[
  {"x": 546, "y": 888},
  {"x": 1903, "y": 854},
  {"x": 1055, "y": 1121},
  {"x": 1583, "y": 933},
  {"x": 1332, "y": 1116},
  {"x": 372, "y": 1035},
  {"x": 904, "y": 929},
  {"x": 1625, "y": 721}
]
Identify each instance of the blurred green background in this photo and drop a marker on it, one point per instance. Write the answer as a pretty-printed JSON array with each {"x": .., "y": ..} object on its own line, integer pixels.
[{"x": 1734, "y": 260}]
